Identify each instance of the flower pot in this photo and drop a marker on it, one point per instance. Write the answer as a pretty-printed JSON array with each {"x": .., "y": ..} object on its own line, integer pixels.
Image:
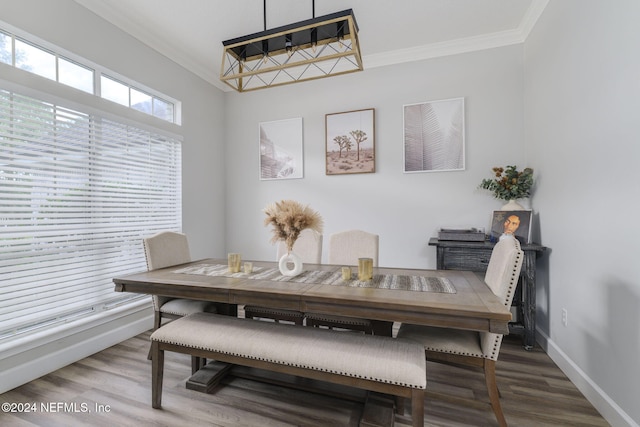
[{"x": 512, "y": 205}]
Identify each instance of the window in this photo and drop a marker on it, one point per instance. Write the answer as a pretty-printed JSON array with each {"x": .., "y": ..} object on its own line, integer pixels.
[
  {"x": 6, "y": 53},
  {"x": 163, "y": 109},
  {"x": 114, "y": 91},
  {"x": 78, "y": 191},
  {"x": 50, "y": 63},
  {"x": 35, "y": 60},
  {"x": 75, "y": 75},
  {"x": 123, "y": 94}
]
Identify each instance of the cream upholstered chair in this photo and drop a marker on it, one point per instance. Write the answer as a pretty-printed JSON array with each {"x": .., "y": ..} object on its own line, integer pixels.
[
  {"x": 344, "y": 249},
  {"x": 308, "y": 247},
  {"x": 166, "y": 249},
  {"x": 471, "y": 348}
]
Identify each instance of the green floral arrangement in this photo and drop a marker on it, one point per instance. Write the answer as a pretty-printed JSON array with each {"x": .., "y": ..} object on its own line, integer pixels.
[{"x": 509, "y": 184}]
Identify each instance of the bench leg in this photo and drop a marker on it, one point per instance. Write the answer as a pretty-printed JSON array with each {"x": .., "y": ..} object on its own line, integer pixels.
[
  {"x": 157, "y": 371},
  {"x": 417, "y": 407}
]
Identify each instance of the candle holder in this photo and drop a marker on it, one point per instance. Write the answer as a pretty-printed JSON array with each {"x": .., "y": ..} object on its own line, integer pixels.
[
  {"x": 365, "y": 269},
  {"x": 248, "y": 267},
  {"x": 234, "y": 261}
]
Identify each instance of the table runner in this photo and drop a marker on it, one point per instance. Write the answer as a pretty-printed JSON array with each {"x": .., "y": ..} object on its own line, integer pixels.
[{"x": 322, "y": 277}]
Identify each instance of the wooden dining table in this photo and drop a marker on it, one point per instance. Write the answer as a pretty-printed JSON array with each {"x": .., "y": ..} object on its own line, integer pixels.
[
  {"x": 468, "y": 303},
  {"x": 471, "y": 306}
]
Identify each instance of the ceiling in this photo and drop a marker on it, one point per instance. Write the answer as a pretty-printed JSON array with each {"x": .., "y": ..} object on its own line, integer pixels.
[{"x": 190, "y": 32}]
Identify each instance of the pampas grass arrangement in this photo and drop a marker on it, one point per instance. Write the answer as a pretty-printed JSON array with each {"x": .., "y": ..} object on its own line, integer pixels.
[{"x": 288, "y": 219}]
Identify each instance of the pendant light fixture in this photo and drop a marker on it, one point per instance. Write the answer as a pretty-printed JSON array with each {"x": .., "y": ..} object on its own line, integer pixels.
[{"x": 312, "y": 49}]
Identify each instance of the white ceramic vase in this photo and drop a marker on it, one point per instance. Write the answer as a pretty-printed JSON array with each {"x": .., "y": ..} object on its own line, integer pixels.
[
  {"x": 512, "y": 205},
  {"x": 290, "y": 258}
]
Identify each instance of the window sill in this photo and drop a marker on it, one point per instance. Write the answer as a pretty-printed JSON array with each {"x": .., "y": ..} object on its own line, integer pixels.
[{"x": 27, "y": 358}]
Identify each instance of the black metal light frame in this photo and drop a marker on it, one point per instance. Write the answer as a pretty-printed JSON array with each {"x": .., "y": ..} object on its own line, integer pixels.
[{"x": 315, "y": 48}]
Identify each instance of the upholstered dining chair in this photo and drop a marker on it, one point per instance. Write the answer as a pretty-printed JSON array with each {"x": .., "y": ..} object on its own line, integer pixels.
[
  {"x": 166, "y": 249},
  {"x": 471, "y": 348},
  {"x": 308, "y": 247},
  {"x": 345, "y": 248}
]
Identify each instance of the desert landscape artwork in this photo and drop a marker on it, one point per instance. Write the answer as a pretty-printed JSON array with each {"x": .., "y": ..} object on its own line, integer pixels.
[{"x": 350, "y": 142}]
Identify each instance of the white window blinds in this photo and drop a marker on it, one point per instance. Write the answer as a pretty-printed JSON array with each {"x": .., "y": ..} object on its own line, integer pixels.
[{"x": 77, "y": 194}]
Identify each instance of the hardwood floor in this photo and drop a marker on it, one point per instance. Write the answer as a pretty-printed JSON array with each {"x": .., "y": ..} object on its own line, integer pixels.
[{"x": 112, "y": 388}]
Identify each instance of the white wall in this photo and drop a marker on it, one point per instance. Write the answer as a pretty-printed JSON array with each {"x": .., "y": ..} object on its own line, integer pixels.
[
  {"x": 404, "y": 209},
  {"x": 582, "y": 98}
]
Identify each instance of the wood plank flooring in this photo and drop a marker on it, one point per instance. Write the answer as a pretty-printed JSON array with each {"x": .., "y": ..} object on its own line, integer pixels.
[{"x": 113, "y": 388}]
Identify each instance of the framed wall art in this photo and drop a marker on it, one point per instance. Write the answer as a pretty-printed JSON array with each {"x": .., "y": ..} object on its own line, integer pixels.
[
  {"x": 517, "y": 223},
  {"x": 350, "y": 142},
  {"x": 434, "y": 136},
  {"x": 281, "y": 149}
]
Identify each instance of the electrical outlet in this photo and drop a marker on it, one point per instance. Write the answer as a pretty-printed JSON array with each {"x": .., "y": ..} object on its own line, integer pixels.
[{"x": 564, "y": 317}]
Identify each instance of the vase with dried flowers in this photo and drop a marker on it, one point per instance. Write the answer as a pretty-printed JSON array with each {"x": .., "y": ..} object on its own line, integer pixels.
[
  {"x": 288, "y": 218},
  {"x": 510, "y": 184}
]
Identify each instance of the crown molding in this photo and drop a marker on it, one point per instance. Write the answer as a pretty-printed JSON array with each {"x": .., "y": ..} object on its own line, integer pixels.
[
  {"x": 436, "y": 50},
  {"x": 399, "y": 56},
  {"x": 464, "y": 45},
  {"x": 108, "y": 13},
  {"x": 531, "y": 17}
]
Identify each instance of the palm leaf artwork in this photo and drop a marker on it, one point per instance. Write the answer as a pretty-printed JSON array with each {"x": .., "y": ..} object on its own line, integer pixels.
[{"x": 434, "y": 136}]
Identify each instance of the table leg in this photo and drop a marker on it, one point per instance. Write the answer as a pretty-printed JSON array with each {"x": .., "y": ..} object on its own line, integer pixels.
[
  {"x": 209, "y": 376},
  {"x": 382, "y": 327}
]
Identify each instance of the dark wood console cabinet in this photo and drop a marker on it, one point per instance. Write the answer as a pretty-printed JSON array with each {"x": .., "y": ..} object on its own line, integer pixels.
[{"x": 474, "y": 256}]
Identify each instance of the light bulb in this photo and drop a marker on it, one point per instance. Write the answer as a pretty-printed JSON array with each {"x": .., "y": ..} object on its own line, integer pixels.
[
  {"x": 314, "y": 39},
  {"x": 288, "y": 45}
]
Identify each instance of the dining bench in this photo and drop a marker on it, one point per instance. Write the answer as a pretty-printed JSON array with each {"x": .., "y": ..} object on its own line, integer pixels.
[{"x": 374, "y": 363}]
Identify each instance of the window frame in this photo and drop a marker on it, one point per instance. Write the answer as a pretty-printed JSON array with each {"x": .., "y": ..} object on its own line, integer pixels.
[
  {"x": 50, "y": 91},
  {"x": 98, "y": 72}
]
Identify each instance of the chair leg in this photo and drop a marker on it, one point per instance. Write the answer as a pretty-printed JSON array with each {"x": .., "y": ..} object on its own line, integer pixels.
[
  {"x": 157, "y": 371},
  {"x": 400, "y": 405},
  {"x": 492, "y": 389},
  {"x": 417, "y": 407},
  {"x": 157, "y": 319}
]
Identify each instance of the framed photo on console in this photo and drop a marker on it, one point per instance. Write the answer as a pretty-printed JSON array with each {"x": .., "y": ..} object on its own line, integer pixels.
[{"x": 517, "y": 223}]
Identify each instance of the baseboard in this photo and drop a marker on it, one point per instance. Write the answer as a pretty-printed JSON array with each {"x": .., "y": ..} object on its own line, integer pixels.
[
  {"x": 27, "y": 361},
  {"x": 609, "y": 410}
]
